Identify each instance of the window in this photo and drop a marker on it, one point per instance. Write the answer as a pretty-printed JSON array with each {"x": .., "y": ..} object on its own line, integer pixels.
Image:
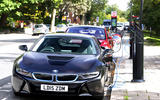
[
  {"x": 99, "y": 33},
  {"x": 66, "y": 45},
  {"x": 38, "y": 26}
]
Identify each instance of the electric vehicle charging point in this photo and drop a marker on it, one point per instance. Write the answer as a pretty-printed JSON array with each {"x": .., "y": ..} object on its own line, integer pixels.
[
  {"x": 122, "y": 86},
  {"x": 121, "y": 50}
]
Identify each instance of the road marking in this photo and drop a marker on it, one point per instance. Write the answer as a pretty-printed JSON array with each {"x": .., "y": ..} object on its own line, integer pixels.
[
  {"x": 4, "y": 99},
  {"x": 157, "y": 62},
  {"x": 5, "y": 90}
]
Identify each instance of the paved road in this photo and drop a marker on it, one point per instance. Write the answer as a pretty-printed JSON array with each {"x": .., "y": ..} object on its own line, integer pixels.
[{"x": 8, "y": 52}]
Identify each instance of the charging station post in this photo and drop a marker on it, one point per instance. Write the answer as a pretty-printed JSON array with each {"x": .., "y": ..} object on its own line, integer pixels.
[
  {"x": 131, "y": 33},
  {"x": 138, "y": 57}
]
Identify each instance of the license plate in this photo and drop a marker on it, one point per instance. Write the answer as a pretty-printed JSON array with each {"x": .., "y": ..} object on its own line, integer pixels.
[{"x": 55, "y": 88}]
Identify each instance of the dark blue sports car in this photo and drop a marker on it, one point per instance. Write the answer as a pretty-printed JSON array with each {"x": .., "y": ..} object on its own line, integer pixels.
[{"x": 63, "y": 64}]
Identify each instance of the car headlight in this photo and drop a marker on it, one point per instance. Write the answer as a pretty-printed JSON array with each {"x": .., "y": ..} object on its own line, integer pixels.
[
  {"x": 90, "y": 75},
  {"x": 23, "y": 72}
]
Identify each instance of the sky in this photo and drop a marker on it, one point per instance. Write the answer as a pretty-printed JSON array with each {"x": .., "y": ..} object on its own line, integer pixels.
[{"x": 122, "y": 4}]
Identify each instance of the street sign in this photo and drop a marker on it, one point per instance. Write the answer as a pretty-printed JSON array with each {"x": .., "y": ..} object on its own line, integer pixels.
[
  {"x": 113, "y": 13},
  {"x": 97, "y": 19}
]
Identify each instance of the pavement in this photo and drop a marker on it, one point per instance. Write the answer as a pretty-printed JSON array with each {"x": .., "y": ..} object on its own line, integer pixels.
[{"x": 124, "y": 89}]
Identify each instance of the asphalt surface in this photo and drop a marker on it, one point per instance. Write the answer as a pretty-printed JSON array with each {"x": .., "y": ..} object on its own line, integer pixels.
[{"x": 8, "y": 53}]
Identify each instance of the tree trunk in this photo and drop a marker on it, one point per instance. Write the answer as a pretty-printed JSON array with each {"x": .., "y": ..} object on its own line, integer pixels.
[
  {"x": 53, "y": 21},
  {"x": 3, "y": 19},
  {"x": 83, "y": 19}
]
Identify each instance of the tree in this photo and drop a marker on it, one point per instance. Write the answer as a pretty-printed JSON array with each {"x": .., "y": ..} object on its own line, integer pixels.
[
  {"x": 121, "y": 15},
  {"x": 97, "y": 10},
  {"x": 15, "y": 8},
  {"x": 5, "y": 7},
  {"x": 26, "y": 9},
  {"x": 77, "y": 7},
  {"x": 151, "y": 14}
]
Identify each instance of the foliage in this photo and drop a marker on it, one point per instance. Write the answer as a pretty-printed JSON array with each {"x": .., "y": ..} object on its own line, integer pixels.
[
  {"x": 151, "y": 14},
  {"x": 121, "y": 15},
  {"x": 77, "y": 7},
  {"x": 14, "y": 8},
  {"x": 125, "y": 97},
  {"x": 103, "y": 11},
  {"x": 8, "y": 5},
  {"x": 40, "y": 11},
  {"x": 97, "y": 10},
  {"x": 151, "y": 38}
]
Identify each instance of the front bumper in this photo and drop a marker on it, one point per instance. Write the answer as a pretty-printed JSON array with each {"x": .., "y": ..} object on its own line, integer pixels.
[{"x": 93, "y": 87}]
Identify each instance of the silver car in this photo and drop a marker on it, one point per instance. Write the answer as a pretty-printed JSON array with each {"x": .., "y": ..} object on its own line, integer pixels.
[{"x": 40, "y": 29}]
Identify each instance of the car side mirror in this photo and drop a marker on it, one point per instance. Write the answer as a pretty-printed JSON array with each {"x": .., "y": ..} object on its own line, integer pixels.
[
  {"x": 23, "y": 47},
  {"x": 103, "y": 47},
  {"x": 107, "y": 55},
  {"x": 108, "y": 52}
]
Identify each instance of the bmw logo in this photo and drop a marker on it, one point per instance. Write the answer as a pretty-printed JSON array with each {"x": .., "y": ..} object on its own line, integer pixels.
[{"x": 55, "y": 71}]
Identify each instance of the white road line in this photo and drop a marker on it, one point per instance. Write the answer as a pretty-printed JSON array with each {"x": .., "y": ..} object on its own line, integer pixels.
[
  {"x": 5, "y": 90},
  {"x": 157, "y": 62},
  {"x": 4, "y": 99}
]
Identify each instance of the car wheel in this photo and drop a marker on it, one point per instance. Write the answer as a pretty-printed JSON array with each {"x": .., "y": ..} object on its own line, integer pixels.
[
  {"x": 101, "y": 96},
  {"x": 35, "y": 34},
  {"x": 16, "y": 93},
  {"x": 106, "y": 79},
  {"x": 98, "y": 98}
]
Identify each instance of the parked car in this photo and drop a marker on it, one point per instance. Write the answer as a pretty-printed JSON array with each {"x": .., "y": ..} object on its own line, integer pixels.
[
  {"x": 120, "y": 26},
  {"x": 126, "y": 26},
  {"x": 61, "y": 28},
  {"x": 67, "y": 64},
  {"x": 107, "y": 23},
  {"x": 40, "y": 29},
  {"x": 71, "y": 24},
  {"x": 99, "y": 32},
  {"x": 48, "y": 26}
]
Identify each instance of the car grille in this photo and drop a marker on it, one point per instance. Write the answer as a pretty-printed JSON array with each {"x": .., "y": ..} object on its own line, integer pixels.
[
  {"x": 66, "y": 78},
  {"x": 55, "y": 78},
  {"x": 43, "y": 76}
]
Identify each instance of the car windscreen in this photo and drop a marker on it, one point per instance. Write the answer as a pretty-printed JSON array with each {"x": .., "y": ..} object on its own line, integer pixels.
[
  {"x": 106, "y": 23},
  {"x": 61, "y": 25},
  {"x": 38, "y": 26},
  {"x": 66, "y": 45},
  {"x": 119, "y": 24},
  {"x": 99, "y": 33}
]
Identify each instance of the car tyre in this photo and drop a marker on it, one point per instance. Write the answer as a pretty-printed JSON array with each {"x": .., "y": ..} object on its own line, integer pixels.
[
  {"x": 16, "y": 93},
  {"x": 35, "y": 34},
  {"x": 100, "y": 97}
]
